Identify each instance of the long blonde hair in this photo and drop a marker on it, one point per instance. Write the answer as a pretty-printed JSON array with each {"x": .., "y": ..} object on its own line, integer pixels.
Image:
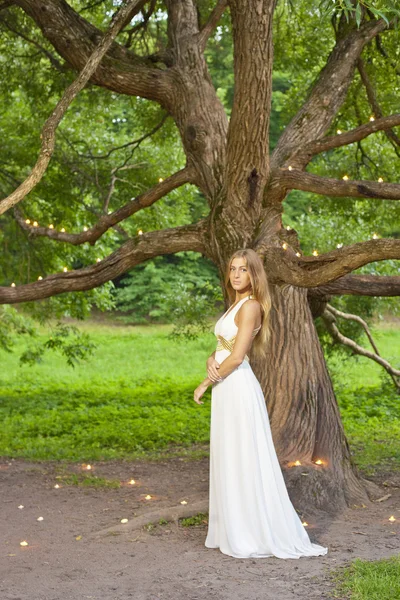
[{"x": 260, "y": 291}]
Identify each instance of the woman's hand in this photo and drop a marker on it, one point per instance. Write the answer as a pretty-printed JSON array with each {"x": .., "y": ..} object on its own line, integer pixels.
[
  {"x": 199, "y": 391},
  {"x": 212, "y": 369}
]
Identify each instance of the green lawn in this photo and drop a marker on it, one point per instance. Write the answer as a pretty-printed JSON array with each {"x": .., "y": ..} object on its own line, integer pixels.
[
  {"x": 135, "y": 397},
  {"x": 364, "y": 580}
]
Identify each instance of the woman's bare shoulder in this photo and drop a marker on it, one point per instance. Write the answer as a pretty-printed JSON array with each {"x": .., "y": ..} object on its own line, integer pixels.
[{"x": 251, "y": 308}]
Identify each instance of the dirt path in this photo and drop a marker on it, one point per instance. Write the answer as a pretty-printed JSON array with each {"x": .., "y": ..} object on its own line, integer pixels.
[{"x": 80, "y": 550}]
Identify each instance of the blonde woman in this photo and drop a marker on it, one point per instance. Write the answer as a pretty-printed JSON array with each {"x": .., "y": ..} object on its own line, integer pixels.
[{"x": 250, "y": 512}]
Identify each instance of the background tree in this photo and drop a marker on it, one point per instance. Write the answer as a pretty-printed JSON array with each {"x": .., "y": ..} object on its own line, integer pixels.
[{"x": 162, "y": 54}]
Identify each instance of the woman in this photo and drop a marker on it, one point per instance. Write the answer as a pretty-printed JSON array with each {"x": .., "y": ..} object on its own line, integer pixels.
[{"x": 250, "y": 512}]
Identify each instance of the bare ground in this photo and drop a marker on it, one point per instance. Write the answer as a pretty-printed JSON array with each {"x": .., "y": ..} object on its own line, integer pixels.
[{"x": 80, "y": 550}]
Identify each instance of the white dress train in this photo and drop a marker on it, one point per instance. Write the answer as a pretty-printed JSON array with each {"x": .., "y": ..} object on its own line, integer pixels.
[{"x": 250, "y": 512}]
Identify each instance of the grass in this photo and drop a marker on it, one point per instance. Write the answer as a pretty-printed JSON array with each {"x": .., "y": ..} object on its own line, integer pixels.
[
  {"x": 364, "y": 580},
  {"x": 134, "y": 399}
]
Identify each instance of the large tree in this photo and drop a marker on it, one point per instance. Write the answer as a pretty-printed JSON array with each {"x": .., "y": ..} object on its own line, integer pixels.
[{"x": 245, "y": 185}]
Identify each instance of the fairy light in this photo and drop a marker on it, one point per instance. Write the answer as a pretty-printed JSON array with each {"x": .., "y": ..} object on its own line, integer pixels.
[
  {"x": 39, "y": 519},
  {"x": 40, "y": 278},
  {"x": 319, "y": 462},
  {"x": 85, "y": 228},
  {"x": 372, "y": 118},
  {"x": 13, "y": 284},
  {"x": 339, "y": 131},
  {"x": 21, "y": 506},
  {"x": 380, "y": 180},
  {"x": 132, "y": 482},
  {"x": 345, "y": 177},
  {"x": 35, "y": 224},
  {"x": 375, "y": 236},
  {"x": 148, "y": 497},
  {"x": 284, "y": 245},
  {"x": 392, "y": 519},
  {"x": 288, "y": 227},
  {"x": 298, "y": 254},
  {"x": 290, "y": 168},
  {"x": 63, "y": 230},
  {"x": 140, "y": 232},
  {"x": 297, "y": 463},
  {"x": 160, "y": 180},
  {"x": 315, "y": 252},
  {"x": 183, "y": 502},
  {"x": 65, "y": 269},
  {"x": 57, "y": 487},
  {"x": 51, "y": 226},
  {"x": 305, "y": 524},
  {"x": 124, "y": 520},
  {"x": 27, "y": 221},
  {"x": 339, "y": 245},
  {"x": 98, "y": 259},
  {"x": 24, "y": 543}
]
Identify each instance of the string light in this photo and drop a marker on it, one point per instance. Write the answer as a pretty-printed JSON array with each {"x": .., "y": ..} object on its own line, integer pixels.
[
  {"x": 297, "y": 463},
  {"x": 98, "y": 259},
  {"x": 183, "y": 502},
  {"x": 132, "y": 482},
  {"x": 13, "y": 284},
  {"x": 298, "y": 254},
  {"x": 319, "y": 462},
  {"x": 315, "y": 252},
  {"x": 24, "y": 543},
  {"x": 290, "y": 168},
  {"x": 124, "y": 520},
  {"x": 35, "y": 224},
  {"x": 288, "y": 227},
  {"x": 339, "y": 245},
  {"x": 345, "y": 177},
  {"x": 284, "y": 245},
  {"x": 65, "y": 269},
  {"x": 372, "y": 118},
  {"x": 392, "y": 519},
  {"x": 63, "y": 230},
  {"x": 27, "y": 221},
  {"x": 57, "y": 487},
  {"x": 85, "y": 228},
  {"x": 140, "y": 232},
  {"x": 160, "y": 180},
  {"x": 305, "y": 524},
  {"x": 40, "y": 278},
  {"x": 51, "y": 226},
  {"x": 39, "y": 519},
  {"x": 21, "y": 506},
  {"x": 339, "y": 131},
  {"x": 375, "y": 236},
  {"x": 148, "y": 497},
  {"x": 380, "y": 180}
]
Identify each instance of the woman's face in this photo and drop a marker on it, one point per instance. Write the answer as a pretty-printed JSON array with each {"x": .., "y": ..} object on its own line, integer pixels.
[{"x": 239, "y": 275}]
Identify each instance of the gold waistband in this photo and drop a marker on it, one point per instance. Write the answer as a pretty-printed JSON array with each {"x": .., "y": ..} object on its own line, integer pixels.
[{"x": 224, "y": 344}]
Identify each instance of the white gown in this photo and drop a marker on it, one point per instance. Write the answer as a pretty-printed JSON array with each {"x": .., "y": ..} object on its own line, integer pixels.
[{"x": 250, "y": 512}]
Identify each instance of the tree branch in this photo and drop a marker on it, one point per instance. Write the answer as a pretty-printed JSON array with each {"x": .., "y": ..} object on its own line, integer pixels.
[
  {"x": 359, "y": 285},
  {"x": 283, "y": 266},
  {"x": 107, "y": 221},
  {"x": 299, "y": 180},
  {"x": 304, "y": 154},
  {"x": 328, "y": 93},
  {"x": 329, "y": 319},
  {"x": 212, "y": 22},
  {"x": 49, "y": 129},
  {"x": 133, "y": 252}
]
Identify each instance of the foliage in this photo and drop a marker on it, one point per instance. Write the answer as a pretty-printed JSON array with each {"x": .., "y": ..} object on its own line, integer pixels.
[{"x": 368, "y": 580}]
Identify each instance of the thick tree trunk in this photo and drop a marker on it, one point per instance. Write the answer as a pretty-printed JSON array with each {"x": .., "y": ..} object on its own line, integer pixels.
[{"x": 304, "y": 414}]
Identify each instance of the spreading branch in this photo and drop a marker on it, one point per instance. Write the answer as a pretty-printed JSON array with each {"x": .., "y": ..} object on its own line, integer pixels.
[
  {"x": 212, "y": 22},
  {"x": 299, "y": 180},
  {"x": 283, "y": 266},
  {"x": 107, "y": 221},
  {"x": 49, "y": 129},
  {"x": 329, "y": 317},
  {"x": 133, "y": 252},
  {"x": 359, "y": 285},
  {"x": 304, "y": 154}
]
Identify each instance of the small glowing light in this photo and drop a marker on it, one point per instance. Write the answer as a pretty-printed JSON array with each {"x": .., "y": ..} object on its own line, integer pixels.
[
  {"x": 183, "y": 502},
  {"x": 51, "y": 226},
  {"x": 318, "y": 462},
  {"x": 24, "y": 543},
  {"x": 13, "y": 284},
  {"x": 339, "y": 245},
  {"x": 63, "y": 229},
  {"x": 56, "y": 486},
  {"x": 40, "y": 278},
  {"x": 98, "y": 259},
  {"x": 297, "y": 463},
  {"x": 290, "y": 168},
  {"x": 88, "y": 467},
  {"x": 124, "y": 520},
  {"x": 160, "y": 179},
  {"x": 132, "y": 482},
  {"x": 148, "y": 497},
  {"x": 27, "y": 221},
  {"x": 339, "y": 131},
  {"x": 298, "y": 254},
  {"x": 85, "y": 228},
  {"x": 284, "y": 245},
  {"x": 21, "y": 506},
  {"x": 288, "y": 227},
  {"x": 65, "y": 269},
  {"x": 380, "y": 180},
  {"x": 315, "y": 252},
  {"x": 35, "y": 224},
  {"x": 372, "y": 118},
  {"x": 305, "y": 524},
  {"x": 375, "y": 236},
  {"x": 392, "y": 519},
  {"x": 345, "y": 177},
  {"x": 39, "y": 519},
  {"x": 140, "y": 232}
]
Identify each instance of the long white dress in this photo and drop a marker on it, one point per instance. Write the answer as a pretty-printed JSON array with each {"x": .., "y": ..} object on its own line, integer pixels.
[{"x": 250, "y": 512}]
